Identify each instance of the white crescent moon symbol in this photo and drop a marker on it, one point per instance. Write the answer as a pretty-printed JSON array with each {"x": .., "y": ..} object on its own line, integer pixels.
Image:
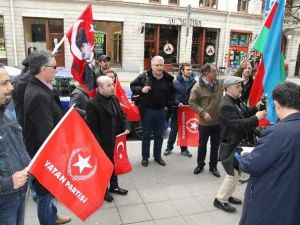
[
  {"x": 120, "y": 144},
  {"x": 75, "y": 50}
]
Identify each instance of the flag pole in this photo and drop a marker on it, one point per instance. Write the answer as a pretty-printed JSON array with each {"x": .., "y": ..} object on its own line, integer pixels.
[
  {"x": 58, "y": 45},
  {"x": 50, "y": 135}
]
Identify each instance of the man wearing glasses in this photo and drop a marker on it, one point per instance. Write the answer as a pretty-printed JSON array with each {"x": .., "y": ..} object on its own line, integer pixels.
[{"x": 42, "y": 111}]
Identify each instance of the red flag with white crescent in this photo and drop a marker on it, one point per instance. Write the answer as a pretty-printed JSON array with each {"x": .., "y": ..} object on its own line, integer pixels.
[
  {"x": 73, "y": 167},
  {"x": 122, "y": 163},
  {"x": 188, "y": 122},
  {"x": 130, "y": 110},
  {"x": 81, "y": 39}
]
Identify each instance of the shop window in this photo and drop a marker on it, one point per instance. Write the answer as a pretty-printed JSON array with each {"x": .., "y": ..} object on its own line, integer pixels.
[
  {"x": 161, "y": 40},
  {"x": 208, "y": 3},
  {"x": 3, "y": 57},
  {"x": 173, "y": 2},
  {"x": 239, "y": 43},
  {"x": 44, "y": 34},
  {"x": 242, "y": 6},
  {"x": 108, "y": 40}
]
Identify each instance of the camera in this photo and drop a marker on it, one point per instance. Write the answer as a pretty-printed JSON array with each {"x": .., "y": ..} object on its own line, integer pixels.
[{"x": 263, "y": 99}]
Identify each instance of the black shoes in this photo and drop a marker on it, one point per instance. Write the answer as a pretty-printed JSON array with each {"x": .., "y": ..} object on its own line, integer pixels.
[
  {"x": 198, "y": 170},
  {"x": 108, "y": 197},
  {"x": 214, "y": 171},
  {"x": 145, "y": 162},
  {"x": 234, "y": 200},
  {"x": 224, "y": 206},
  {"x": 160, "y": 161},
  {"x": 186, "y": 153},
  {"x": 167, "y": 152},
  {"x": 119, "y": 191}
]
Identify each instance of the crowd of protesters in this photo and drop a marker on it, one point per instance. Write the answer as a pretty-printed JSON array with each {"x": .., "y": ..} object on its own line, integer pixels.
[{"x": 225, "y": 118}]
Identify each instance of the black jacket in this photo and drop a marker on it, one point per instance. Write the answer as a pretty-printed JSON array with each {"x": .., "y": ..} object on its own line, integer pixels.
[
  {"x": 233, "y": 129},
  {"x": 100, "y": 120},
  {"x": 80, "y": 99},
  {"x": 246, "y": 89},
  {"x": 145, "y": 79}
]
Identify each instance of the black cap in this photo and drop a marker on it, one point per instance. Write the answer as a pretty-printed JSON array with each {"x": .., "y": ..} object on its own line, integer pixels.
[{"x": 103, "y": 58}]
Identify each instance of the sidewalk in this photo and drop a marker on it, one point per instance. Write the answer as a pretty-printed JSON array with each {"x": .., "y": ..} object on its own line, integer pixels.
[{"x": 170, "y": 195}]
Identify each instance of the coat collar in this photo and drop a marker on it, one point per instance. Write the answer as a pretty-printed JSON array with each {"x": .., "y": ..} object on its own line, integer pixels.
[{"x": 294, "y": 116}]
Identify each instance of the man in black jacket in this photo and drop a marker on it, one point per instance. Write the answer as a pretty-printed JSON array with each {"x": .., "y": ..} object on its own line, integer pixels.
[
  {"x": 235, "y": 119},
  {"x": 157, "y": 93},
  {"x": 106, "y": 120},
  {"x": 42, "y": 111}
]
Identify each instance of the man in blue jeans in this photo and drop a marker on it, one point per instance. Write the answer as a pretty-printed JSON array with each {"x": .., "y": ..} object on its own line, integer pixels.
[
  {"x": 183, "y": 84},
  {"x": 156, "y": 95},
  {"x": 13, "y": 159}
]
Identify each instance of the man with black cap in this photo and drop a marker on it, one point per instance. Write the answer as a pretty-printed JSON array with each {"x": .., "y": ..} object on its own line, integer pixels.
[
  {"x": 235, "y": 119},
  {"x": 103, "y": 62}
]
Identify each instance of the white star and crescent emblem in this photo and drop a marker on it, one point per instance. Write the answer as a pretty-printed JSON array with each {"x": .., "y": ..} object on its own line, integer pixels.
[
  {"x": 119, "y": 152},
  {"x": 192, "y": 125}
]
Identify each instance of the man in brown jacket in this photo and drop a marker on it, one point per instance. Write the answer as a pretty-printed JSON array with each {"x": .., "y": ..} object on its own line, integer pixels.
[{"x": 205, "y": 98}]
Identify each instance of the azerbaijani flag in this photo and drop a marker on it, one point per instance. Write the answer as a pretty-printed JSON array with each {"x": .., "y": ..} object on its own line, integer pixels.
[{"x": 271, "y": 70}]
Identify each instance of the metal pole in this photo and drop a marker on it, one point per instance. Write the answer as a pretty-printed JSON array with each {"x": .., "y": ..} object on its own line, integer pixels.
[{"x": 187, "y": 24}]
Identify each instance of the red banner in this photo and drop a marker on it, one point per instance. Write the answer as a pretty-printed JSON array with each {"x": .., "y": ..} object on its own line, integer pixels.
[
  {"x": 73, "y": 167},
  {"x": 81, "y": 39},
  {"x": 188, "y": 121},
  {"x": 130, "y": 110},
  {"x": 122, "y": 164}
]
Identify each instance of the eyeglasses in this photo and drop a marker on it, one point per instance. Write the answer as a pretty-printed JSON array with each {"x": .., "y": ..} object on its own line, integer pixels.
[{"x": 54, "y": 67}]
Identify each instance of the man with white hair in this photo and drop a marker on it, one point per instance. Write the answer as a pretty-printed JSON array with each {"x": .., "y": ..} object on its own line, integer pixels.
[
  {"x": 106, "y": 120},
  {"x": 235, "y": 119},
  {"x": 156, "y": 95}
]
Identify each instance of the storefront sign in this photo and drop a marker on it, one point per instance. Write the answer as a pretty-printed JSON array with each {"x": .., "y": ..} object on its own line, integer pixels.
[
  {"x": 182, "y": 21},
  {"x": 210, "y": 50},
  {"x": 99, "y": 42},
  {"x": 168, "y": 49}
]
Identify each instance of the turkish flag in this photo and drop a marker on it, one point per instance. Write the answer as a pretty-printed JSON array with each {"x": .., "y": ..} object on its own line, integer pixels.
[
  {"x": 81, "y": 39},
  {"x": 72, "y": 166},
  {"x": 130, "y": 110},
  {"x": 122, "y": 164},
  {"x": 188, "y": 122}
]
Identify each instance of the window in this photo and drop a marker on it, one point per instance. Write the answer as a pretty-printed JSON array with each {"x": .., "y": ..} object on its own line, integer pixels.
[
  {"x": 208, "y": 3},
  {"x": 242, "y": 6},
  {"x": 2, "y": 42},
  {"x": 154, "y": 1},
  {"x": 173, "y": 2},
  {"x": 108, "y": 37}
]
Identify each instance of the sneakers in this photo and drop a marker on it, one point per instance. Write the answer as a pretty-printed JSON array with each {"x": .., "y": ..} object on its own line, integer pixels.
[
  {"x": 167, "y": 152},
  {"x": 62, "y": 219},
  {"x": 224, "y": 206},
  {"x": 186, "y": 153}
]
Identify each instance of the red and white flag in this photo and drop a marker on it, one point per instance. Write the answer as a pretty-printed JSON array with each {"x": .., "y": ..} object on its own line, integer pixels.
[
  {"x": 130, "y": 110},
  {"x": 72, "y": 166},
  {"x": 122, "y": 164},
  {"x": 81, "y": 39},
  {"x": 188, "y": 121}
]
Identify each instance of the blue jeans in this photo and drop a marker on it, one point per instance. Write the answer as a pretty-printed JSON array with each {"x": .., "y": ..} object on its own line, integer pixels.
[
  {"x": 214, "y": 133},
  {"x": 47, "y": 211},
  {"x": 153, "y": 120},
  {"x": 173, "y": 133},
  {"x": 12, "y": 213}
]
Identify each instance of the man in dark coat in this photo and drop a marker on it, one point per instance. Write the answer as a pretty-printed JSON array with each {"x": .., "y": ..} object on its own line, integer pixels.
[
  {"x": 183, "y": 84},
  {"x": 272, "y": 195},
  {"x": 80, "y": 98},
  {"x": 235, "y": 119},
  {"x": 156, "y": 96},
  {"x": 42, "y": 111},
  {"x": 106, "y": 120}
]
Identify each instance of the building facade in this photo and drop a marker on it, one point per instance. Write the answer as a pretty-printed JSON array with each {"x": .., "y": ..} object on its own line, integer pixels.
[{"x": 131, "y": 32}]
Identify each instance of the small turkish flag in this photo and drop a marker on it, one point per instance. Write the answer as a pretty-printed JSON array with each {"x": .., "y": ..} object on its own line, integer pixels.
[
  {"x": 72, "y": 166},
  {"x": 122, "y": 164},
  {"x": 130, "y": 110},
  {"x": 188, "y": 122}
]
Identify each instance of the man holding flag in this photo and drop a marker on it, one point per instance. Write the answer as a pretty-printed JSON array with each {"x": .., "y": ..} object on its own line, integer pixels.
[{"x": 106, "y": 120}]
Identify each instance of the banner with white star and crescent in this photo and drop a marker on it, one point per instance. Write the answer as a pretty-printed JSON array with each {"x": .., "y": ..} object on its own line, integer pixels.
[
  {"x": 122, "y": 163},
  {"x": 188, "y": 122}
]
